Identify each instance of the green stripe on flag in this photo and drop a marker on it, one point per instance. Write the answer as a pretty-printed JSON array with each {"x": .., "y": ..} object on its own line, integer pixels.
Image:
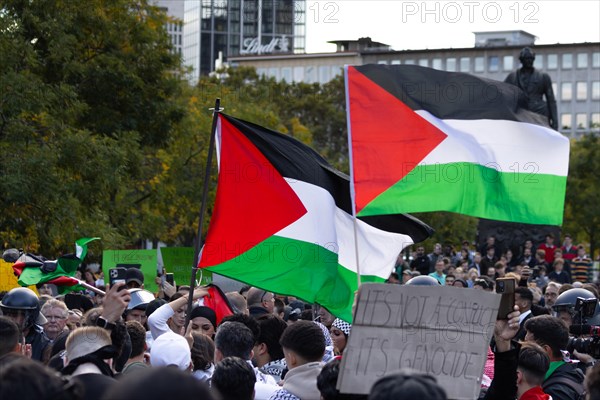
[
  {"x": 480, "y": 191},
  {"x": 293, "y": 267}
]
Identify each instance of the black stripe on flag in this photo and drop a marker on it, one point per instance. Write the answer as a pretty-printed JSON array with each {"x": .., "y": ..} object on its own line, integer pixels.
[{"x": 452, "y": 95}]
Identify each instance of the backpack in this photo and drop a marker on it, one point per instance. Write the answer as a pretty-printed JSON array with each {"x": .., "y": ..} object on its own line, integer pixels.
[{"x": 576, "y": 386}]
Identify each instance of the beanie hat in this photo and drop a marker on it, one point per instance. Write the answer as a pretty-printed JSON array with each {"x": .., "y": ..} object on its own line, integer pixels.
[{"x": 206, "y": 312}]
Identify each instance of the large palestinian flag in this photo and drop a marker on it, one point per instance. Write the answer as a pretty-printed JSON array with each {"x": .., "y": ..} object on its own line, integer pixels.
[
  {"x": 282, "y": 221},
  {"x": 427, "y": 140}
]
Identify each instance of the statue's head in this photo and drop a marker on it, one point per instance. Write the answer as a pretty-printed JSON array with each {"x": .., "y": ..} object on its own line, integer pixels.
[{"x": 527, "y": 56}]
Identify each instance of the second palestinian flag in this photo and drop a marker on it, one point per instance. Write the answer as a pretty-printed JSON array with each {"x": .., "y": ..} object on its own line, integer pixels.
[
  {"x": 282, "y": 221},
  {"x": 427, "y": 140}
]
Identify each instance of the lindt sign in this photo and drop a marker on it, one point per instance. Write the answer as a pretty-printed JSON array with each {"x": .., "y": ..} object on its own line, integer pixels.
[{"x": 277, "y": 45}]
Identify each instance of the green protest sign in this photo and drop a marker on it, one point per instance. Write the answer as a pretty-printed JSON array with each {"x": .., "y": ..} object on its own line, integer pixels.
[
  {"x": 146, "y": 260},
  {"x": 179, "y": 260}
]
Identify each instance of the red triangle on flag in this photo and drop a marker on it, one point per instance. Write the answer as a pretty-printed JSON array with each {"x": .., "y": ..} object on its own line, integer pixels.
[
  {"x": 218, "y": 302},
  {"x": 253, "y": 201},
  {"x": 388, "y": 138}
]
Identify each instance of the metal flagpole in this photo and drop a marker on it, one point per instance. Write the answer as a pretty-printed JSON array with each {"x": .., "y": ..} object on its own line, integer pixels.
[{"x": 198, "y": 241}]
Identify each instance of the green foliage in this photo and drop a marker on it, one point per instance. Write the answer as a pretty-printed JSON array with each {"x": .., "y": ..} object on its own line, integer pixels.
[
  {"x": 88, "y": 95},
  {"x": 582, "y": 208},
  {"x": 450, "y": 228}
]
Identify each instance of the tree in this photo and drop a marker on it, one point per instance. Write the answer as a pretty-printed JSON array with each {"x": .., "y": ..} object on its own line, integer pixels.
[
  {"x": 582, "y": 208},
  {"x": 88, "y": 96}
]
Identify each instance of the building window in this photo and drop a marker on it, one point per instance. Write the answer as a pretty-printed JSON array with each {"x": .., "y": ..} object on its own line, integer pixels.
[
  {"x": 507, "y": 63},
  {"x": 596, "y": 90},
  {"x": 335, "y": 71},
  {"x": 286, "y": 74},
  {"x": 566, "y": 91},
  {"x": 465, "y": 64},
  {"x": 595, "y": 121},
  {"x": 581, "y": 90},
  {"x": 596, "y": 60},
  {"x": 384, "y": 62},
  {"x": 552, "y": 61},
  {"x": 567, "y": 61},
  {"x": 479, "y": 64},
  {"x": 566, "y": 121},
  {"x": 451, "y": 64},
  {"x": 274, "y": 73},
  {"x": 539, "y": 61},
  {"x": 436, "y": 63},
  {"x": 324, "y": 74},
  {"x": 298, "y": 74},
  {"x": 582, "y": 60},
  {"x": 423, "y": 62},
  {"x": 395, "y": 62},
  {"x": 493, "y": 64},
  {"x": 554, "y": 88},
  {"x": 409, "y": 62},
  {"x": 581, "y": 120},
  {"x": 310, "y": 74}
]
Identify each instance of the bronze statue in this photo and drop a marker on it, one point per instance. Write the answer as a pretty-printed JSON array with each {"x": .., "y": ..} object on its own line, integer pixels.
[{"x": 535, "y": 84}]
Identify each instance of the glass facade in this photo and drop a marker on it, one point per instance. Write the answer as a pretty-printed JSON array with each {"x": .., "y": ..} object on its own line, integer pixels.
[{"x": 240, "y": 27}]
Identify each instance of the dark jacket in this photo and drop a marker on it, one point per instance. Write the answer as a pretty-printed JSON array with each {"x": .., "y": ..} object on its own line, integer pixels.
[
  {"x": 95, "y": 385},
  {"x": 38, "y": 341},
  {"x": 257, "y": 311},
  {"x": 421, "y": 264},
  {"x": 565, "y": 383},
  {"x": 504, "y": 384}
]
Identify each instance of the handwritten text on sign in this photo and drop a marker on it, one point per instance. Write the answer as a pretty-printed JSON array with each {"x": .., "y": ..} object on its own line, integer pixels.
[{"x": 440, "y": 331}]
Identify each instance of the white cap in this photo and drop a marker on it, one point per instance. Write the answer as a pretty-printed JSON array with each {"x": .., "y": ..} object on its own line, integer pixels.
[{"x": 171, "y": 349}]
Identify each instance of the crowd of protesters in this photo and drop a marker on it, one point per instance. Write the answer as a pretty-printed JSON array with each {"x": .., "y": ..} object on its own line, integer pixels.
[{"x": 134, "y": 344}]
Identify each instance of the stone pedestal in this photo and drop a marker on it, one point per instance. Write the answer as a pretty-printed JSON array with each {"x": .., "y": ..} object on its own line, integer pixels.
[{"x": 512, "y": 235}]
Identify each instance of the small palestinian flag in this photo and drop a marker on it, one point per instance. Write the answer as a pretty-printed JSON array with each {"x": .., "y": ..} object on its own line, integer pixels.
[
  {"x": 218, "y": 302},
  {"x": 426, "y": 140},
  {"x": 282, "y": 221},
  {"x": 32, "y": 270}
]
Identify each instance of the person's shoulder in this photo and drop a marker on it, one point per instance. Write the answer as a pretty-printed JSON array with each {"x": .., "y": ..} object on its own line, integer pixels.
[
  {"x": 566, "y": 378},
  {"x": 283, "y": 394}
]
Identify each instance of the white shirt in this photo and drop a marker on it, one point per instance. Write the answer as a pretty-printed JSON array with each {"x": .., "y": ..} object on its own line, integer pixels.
[
  {"x": 265, "y": 384},
  {"x": 157, "y": 321},
  {"x": 523, "y": 316}
]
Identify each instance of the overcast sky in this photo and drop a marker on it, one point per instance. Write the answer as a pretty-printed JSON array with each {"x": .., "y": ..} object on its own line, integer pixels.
[{"x": 444, "y": 24}]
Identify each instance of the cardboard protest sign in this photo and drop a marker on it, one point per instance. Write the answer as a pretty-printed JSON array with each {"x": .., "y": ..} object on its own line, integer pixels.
[
  {"x": 441, "y": 331},
  {"x": 179, "y": 260},
  {"x": 146, "y": 260}
]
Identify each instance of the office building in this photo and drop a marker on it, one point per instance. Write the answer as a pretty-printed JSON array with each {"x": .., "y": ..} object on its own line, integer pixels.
[{"x": 574, "y": 68}]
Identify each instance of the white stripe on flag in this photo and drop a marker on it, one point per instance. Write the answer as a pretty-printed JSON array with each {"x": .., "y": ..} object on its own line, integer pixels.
[
  {"x": 508, "y": 145},
  {"x": 330, "y": 227}
]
